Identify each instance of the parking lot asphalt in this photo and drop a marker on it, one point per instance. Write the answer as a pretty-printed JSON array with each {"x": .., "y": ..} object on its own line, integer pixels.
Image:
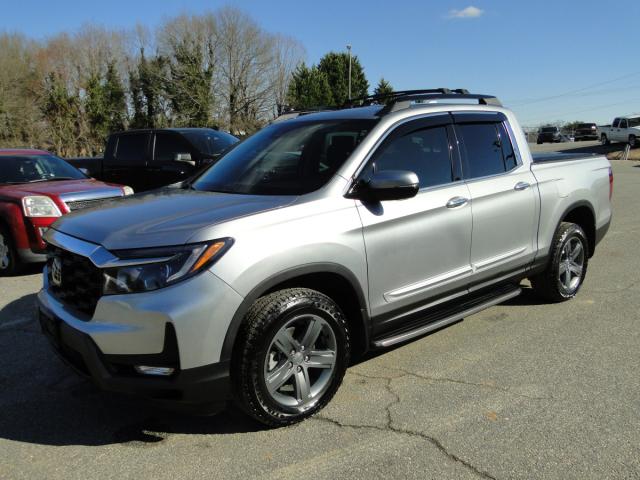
[{"x": 521, "y": 390}]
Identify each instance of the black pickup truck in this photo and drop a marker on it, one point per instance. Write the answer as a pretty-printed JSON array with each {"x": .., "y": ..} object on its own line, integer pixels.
[{"x": 148, "y": 159}]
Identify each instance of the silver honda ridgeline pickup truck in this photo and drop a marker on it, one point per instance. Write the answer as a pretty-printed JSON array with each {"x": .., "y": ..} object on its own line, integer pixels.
[{"x": 318, "y": 238}]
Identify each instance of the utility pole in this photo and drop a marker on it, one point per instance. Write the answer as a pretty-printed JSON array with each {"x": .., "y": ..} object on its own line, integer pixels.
[{"x": 349, "y": 49}]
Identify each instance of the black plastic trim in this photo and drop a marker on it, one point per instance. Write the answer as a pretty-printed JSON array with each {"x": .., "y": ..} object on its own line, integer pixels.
[
  {"x": 290, "y": 274},
  {"x": 204, "y": 389}
]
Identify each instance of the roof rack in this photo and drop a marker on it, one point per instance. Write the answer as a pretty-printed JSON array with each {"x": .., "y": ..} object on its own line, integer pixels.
[
  {"x": 405, "y": 98},
  {"x": 292, "y": 113}
]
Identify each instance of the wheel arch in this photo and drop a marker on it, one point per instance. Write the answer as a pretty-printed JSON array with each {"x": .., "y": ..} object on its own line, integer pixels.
[
  {"x": 334, "y": 280},
  {"x": 582, "y": 214}
]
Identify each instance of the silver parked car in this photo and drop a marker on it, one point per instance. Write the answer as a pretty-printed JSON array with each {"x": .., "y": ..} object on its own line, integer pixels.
[{"x": 316, "y": 239}]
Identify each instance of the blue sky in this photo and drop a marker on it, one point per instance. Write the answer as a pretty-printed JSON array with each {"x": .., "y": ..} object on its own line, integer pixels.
[{"x": 582, "y": 54}]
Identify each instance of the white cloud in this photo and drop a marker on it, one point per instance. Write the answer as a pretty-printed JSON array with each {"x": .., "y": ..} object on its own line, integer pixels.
[{"x": 469, "y": 12}]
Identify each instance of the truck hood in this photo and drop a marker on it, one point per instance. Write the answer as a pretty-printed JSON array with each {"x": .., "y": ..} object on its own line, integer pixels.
[
  {"x": 58, "y": 189},
  {"x": 162, "y": 218}
]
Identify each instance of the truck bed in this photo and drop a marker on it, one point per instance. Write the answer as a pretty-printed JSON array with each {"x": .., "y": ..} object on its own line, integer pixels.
[{"x": 561, "y": 157}]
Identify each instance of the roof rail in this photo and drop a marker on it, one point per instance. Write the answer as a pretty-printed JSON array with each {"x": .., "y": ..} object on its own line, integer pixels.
[
  {"x": 292, "y": 113},
  {"x": 405, "y": 98}
]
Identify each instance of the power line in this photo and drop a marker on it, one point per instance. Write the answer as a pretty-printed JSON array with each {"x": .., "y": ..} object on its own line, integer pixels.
[
  {"x": 573, "y": 92},
  {"x": 551, "y": 115}
]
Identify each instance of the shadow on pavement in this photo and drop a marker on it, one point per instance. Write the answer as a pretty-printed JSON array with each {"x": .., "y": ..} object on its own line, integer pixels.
[{"x": 43, "y": 401}]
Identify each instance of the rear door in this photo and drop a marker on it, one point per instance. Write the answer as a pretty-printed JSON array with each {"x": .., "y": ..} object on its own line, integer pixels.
[
  {"x": 504, "y": 203},
  {"x": 418, "y": 248},
  {"x": 128, "y": 164},
  {"x": 615, "y": 130},
  {"x": 623, "y": 134},
  {"x": 173, "y": 159}
]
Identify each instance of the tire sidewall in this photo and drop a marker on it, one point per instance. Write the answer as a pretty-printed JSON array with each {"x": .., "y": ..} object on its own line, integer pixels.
[
  {"x": 319, "y": 306},
  {"x": 11, "y": 270},
  {"x": 573, "y": 231}
]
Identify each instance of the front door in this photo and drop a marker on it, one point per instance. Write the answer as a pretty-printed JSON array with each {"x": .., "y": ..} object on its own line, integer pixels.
[{"x": 417, "y": 249}]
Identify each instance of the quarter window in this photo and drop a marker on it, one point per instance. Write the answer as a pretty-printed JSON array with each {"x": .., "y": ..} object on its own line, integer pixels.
[{"x": 424, "y": 152}]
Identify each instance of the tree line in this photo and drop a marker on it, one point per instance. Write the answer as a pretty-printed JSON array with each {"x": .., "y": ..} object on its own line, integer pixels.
[{"x": 219, "y": 69}]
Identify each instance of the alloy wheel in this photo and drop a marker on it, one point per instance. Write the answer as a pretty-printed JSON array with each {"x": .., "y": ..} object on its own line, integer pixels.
[
  {"x": 5, "y": 260},
  {"x": 571, "y": 265},
  {"x": 300, "y": 362}
]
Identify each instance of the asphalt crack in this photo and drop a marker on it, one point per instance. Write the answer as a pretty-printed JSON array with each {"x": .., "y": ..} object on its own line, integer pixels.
[
  {"x": 472, "y": 384},
  {"x": 390, "y": 427}
]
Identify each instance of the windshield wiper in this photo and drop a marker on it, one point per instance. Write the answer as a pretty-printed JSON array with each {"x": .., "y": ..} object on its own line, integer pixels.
[{"x": 52, "y": 179}]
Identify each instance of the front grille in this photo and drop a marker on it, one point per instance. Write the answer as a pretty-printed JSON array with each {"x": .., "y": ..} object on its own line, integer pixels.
[
  {"x": 80, "y": 280},
  {"x": 81, "y": 204}
]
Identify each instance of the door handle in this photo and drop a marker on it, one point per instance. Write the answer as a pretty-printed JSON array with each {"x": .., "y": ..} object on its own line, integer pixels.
[
  {"x": 457, "y": 202},
  {"x": 521, "y": 186}
]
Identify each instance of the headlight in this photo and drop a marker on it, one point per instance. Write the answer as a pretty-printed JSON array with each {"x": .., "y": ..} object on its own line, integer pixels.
[
  {"x": 175, "y": 264},
  {"x": 39, "y": 206},
  {"x": 127, "y": 190}
]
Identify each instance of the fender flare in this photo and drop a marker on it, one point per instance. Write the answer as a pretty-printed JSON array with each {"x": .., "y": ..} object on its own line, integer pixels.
[{"x": 283, "y": 276}]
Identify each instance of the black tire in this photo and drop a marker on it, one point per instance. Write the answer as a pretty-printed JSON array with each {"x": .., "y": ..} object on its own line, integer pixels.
[
  {"x": 633, "y": 142},
  {"x": 9, "y": 262},
  {"x": 254, "y": 348},
  {"x": 604, "y": 139},
  {"x": 549, "y": 284}
]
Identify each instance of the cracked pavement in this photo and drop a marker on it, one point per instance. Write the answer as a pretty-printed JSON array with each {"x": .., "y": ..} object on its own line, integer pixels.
[{"x": 521, "y": 390}]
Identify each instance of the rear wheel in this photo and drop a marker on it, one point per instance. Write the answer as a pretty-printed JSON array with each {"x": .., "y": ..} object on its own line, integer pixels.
[
  {"x": 291, "y": 356},
  {"x": 567, "y": 267},
  {"x": 633, "y": 141},
  {"x": 9, "y": 264},
  {"x": 604, "y": 140}
]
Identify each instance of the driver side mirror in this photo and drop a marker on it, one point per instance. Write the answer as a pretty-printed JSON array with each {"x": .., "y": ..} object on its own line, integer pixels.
[{"x": 388, "y": 185}]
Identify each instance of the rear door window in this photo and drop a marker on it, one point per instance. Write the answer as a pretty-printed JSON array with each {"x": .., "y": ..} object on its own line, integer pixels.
[
  {"x": 482, "y": 149},
  {"x": 132, "y": 149},
  {"x": 623, "y": 123},
  {"x": 170, "y": 147}
]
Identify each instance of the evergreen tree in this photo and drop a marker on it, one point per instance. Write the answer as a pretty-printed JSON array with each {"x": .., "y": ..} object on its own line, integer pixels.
[
  {"x": 60, "y": 109},
  {"x": 146, "y": 83},
  {"x": 189, "y": 86},
  {"x": 335, "y": 66},
  {"x": 309, "y": 88},
  {"x": 383, "y": 88}
]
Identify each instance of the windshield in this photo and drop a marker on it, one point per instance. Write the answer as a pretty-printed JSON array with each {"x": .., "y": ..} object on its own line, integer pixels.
[
  {"x": 210, "y": 142},
  {"x": 36, "y": 168},
  {"x": 549, "y": 130},
  {"x": 586, "y": 125},
  {"x": 288, "y": 158}
]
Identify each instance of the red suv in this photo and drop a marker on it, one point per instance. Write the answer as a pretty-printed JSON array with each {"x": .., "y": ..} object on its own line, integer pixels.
[{"x": 36, "y": 188}]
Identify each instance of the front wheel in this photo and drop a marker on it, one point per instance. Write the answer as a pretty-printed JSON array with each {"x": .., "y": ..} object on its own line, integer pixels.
[
  {"x": 291, "y": 356},
  {"x": 567, "y": 266},
  {"x": 9, "y": 264},
  {"x": 604, "y": 140},
  {"x": 633, "y": 142}
]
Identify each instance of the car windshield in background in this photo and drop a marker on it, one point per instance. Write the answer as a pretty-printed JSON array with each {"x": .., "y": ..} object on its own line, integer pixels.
[
  {"x": 585, "y": 126},
  {"x": 36, "y": 168},
  {"x": 549, "y": 130},
  {"x": 289, "y": 158},
  {"x": 210, "y": 142}
]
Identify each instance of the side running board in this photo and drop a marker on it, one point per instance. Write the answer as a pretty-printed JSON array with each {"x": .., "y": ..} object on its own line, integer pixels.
[{"x": 451, "y": 318}]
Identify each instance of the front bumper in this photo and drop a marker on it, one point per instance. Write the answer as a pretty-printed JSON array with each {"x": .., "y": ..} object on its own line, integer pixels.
[{"x": 182, "y": 327}]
